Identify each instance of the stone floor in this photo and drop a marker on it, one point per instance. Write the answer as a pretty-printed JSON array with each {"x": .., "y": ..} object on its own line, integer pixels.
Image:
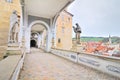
[{"x": 45, "y": 66}]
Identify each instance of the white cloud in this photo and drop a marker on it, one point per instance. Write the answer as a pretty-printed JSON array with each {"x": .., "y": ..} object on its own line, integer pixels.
[{"x": 97, "y": 17}]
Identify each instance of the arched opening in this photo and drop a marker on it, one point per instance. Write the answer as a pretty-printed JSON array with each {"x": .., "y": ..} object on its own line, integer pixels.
[
  {"x": 34, "y": 29},
  {"x": 32, "y": 43}
]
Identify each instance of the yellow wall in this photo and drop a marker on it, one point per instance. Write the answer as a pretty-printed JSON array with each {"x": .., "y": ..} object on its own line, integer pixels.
[
  {"x": 64, "y": 31},
  {"x": 6, "y": 10}
]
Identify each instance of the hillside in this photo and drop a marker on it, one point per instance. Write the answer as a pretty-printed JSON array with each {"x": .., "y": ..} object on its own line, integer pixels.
[
  {"x": 94, "y": 39},
  {"x": 115, "y": 40}
]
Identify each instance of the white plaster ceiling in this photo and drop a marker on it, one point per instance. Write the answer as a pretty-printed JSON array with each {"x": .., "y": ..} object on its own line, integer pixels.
[
  {"x": 45, "y": 8},
  {"x": 37, "y": 28}
]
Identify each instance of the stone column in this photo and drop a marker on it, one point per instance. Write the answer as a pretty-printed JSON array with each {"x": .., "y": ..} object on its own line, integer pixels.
[
  {"x": 78, "y": 38},
  {"x": 39, "y": 41},
  {"x": 20, "y": 35},
  {"x": 27, "y": 40},
  {"x": 48, "y": 42},
  {"x": 42, "y": 39}
]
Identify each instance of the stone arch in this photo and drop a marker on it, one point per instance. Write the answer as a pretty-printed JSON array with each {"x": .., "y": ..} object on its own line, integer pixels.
[
  {"x": 54, "y": 29},
  {"x": 40, "y": 22},
  {"x": 48, "y": 34},
  {"x": 36, "y": 33},
  {"x": 37, "y": 40}
]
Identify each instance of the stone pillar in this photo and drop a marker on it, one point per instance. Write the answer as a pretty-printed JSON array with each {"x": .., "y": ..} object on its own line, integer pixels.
[
  {"x": 39, "y": 41},
  {"x": 53, "y": 38},
  {"x": 27, "y": 40},
  {"x": 48, "y": 42},
  {"x": 78, "y": 38},
  {"x": 42, "y": 39},
  {"x": 20, "y": 35}
]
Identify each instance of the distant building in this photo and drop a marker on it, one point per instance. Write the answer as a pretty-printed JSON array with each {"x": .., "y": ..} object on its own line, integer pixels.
[
  {"x": 63, "y": 38},
  {"x": 110, "y": 41}
]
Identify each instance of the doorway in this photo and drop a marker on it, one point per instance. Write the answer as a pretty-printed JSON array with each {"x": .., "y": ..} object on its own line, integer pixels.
[{"x": 32, "y": 43}]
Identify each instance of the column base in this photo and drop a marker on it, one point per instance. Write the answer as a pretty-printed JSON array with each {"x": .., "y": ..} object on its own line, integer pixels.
[
  {"x": 77, "y": 48},
  {"x": 13, "y": 49}
]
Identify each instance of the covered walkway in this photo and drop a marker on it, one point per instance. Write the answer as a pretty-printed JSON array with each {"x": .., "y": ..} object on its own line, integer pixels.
[{"x": 45, "y": 66}]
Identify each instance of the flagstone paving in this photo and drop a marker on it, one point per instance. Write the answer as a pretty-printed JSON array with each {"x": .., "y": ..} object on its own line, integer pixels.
[{"x": 45, "y": 66}]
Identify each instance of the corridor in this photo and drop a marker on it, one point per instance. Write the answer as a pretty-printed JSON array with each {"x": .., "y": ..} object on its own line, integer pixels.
[{"x": 45, "y": 66}]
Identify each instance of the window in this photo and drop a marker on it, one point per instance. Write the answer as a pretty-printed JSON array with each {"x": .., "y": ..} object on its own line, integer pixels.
[
  {"x": 69, "y": 19},
  {"x": 10, "y": 1},
  {"x": 59, "y": 40}
]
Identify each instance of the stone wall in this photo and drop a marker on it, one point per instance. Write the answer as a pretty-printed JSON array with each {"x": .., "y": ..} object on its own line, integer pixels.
[{"x": 6, "y": 10}]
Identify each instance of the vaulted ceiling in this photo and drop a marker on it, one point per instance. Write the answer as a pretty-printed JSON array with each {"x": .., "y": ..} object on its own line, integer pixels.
[
  {"x": 37, "y": 28},
  {"x": 46, "y": 8}
]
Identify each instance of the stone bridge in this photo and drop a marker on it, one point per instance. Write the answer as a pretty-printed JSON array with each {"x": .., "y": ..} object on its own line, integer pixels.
[
  {"x": 40, "y": 65},
  {"x": 43, "y": 63},
  {"x": 58, "y": 65}
]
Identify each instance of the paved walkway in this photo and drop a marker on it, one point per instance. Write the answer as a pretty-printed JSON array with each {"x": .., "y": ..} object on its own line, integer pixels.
[{"x": 45, "y": 66}]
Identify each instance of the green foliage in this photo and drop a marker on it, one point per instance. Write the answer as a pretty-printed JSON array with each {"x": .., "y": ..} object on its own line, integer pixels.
[
  {"x": 93, "y": 39},
  {"x": 115, "y": 40}
]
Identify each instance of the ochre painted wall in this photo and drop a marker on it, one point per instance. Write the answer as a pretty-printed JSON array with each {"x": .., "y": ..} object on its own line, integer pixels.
[
  {"x": 6, "y": 10},
  {"x": 64, "y": 31}
]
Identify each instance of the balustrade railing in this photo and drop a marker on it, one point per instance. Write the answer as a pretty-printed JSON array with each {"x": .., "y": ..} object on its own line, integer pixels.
[{"x": 106, "y": 64}]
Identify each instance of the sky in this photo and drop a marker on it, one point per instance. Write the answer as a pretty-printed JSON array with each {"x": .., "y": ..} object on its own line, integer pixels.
[{"x": 97, "y": 18}]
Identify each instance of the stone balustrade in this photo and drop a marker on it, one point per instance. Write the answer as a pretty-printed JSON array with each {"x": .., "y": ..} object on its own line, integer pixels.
[
  {"x": 11, "y": 66},
  {"x": 109, "y": 65}
]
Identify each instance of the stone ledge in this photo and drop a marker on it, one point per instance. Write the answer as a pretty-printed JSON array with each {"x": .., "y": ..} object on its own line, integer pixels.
[
  {"x": 13, "y": 51},
  {"x": 7, "y": 66},
  {"x": 85, "y": 53},
  {"x": 106, "y": 65}
]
